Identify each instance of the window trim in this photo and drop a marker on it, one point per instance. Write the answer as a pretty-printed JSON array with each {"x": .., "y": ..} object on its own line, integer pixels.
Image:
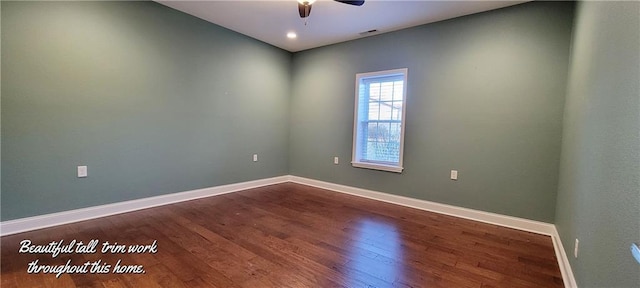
[{"x": 390, "y": 167}]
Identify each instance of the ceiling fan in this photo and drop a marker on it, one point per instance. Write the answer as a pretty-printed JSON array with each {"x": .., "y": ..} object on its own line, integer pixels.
[{"x": 304, "y": 6}]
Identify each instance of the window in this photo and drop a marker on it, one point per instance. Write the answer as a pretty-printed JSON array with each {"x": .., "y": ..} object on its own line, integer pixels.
[{"x": 378, "y": 130}]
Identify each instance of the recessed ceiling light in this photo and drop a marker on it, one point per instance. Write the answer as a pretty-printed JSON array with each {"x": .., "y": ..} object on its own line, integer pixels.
[{"x": 292, "y": 35}]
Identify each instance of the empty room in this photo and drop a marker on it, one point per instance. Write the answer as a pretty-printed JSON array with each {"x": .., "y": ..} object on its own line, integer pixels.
[{"x": 320, "y": 143}]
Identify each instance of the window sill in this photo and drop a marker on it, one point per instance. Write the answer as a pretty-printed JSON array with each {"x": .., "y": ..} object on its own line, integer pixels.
[{"x": 376, "y": 166}]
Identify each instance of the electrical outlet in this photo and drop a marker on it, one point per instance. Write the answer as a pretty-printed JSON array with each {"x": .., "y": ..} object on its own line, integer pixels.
[
  {"x": 82, "y": 172},
  {"x": 255, "y": 157},
  {"x": 336, "y": 160},
  {"x": 575, "y": 248},
  {"x": 454, "y": 174}
]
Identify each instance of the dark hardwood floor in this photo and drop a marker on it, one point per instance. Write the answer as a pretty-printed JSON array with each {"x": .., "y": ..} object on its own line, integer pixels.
[{"x": 290, "y": 235}]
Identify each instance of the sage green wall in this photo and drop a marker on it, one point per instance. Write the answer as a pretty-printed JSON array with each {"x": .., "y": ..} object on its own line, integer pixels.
[
  {"x": 599, "y": 190},
  {"x": 0, "y": 110},
  {"x": 153, "y": 100},
  {"x": 485, "y": 97}
]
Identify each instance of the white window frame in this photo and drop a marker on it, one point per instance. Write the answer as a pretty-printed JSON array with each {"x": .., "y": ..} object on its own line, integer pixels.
[{"x": 376, "y": 165}]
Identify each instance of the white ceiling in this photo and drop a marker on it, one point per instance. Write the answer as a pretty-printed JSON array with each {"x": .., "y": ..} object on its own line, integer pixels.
[{"x": 330, "y": 22}]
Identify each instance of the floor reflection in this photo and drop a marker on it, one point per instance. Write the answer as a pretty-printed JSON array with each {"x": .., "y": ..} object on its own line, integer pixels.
[{"x": 375, "y": 254}]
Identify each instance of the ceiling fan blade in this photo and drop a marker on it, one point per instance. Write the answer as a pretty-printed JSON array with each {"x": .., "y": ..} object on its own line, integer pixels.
[
  {"x": 355, "y": 3},
  {"x": 304, "y": 10}
]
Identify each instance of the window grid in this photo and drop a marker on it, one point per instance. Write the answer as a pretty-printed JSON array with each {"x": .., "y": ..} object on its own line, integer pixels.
[{"x": 383, "y": 144}]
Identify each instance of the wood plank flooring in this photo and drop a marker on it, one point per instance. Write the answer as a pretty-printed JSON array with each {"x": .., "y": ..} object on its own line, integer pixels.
[{"x": 289, "y": 235}]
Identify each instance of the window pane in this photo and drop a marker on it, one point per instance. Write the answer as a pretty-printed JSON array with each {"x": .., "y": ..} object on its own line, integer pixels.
[
  {"x": 398, "y": 87},
  {"x": 385, "y": 111},
  {"x": 383, "y": 132},
  {"x": 374, "y": 91},
  {"x": 386, "y": 91},
  {"x": 397, "y": 110},
  {"x": 372, "y": 131},
  {"x": 395, "y": 132},
  {"x": 374, "y": 110}
]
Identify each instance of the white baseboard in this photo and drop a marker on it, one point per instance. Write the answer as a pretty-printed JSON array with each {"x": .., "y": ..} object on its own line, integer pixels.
[
  {"x": 563, "y": 262},
  {"x": 54, "y": 219},
  {"x": 471, "y": 214}
]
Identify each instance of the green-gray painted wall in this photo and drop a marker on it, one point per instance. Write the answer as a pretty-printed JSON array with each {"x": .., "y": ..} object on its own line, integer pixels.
[
  {"x": 599, "y": 190},
  {"x": 485, "y": 96},
  {"x": 153, "y": 100}
]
